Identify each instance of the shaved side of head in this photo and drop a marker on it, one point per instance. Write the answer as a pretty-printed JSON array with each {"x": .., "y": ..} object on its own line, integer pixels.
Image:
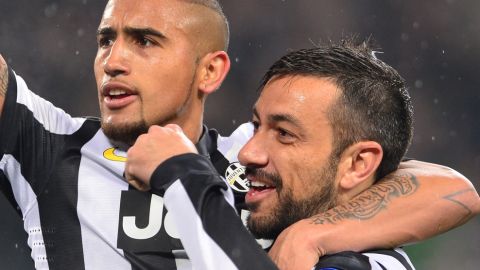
[{"x": 215, "y": 29}]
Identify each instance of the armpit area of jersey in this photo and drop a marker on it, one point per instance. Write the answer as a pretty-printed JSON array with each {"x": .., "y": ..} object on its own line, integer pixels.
[{"x": 347, "y": 260}]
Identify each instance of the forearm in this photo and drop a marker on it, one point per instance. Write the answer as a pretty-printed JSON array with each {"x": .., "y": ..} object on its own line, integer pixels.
[
  {"x": 3, "y": 82},
  {"x": 418, "y": 201},
  {"x": 210, "y": 230}
]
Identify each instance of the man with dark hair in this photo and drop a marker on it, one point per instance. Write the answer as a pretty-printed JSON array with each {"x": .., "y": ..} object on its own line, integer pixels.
[
  {"x": 367, "y": 102},
  {"x": 157, "y": 61},
  {"x": 329, "y": 123},
  {"x": 370, "y": 89}
]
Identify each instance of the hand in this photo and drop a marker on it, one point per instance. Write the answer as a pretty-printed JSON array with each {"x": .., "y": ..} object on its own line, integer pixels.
[
  {"x": 296, "y": 248},
  {"x": 153, "y": 148}
]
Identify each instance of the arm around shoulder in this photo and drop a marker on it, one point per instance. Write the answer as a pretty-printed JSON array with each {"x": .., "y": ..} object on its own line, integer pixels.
[
  {"x": 416, "y": 202},
  {"x": 448, "y": 185},
  {"x": 3, "y": 82}
]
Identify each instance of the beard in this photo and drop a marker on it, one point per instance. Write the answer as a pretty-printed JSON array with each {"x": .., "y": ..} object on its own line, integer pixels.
[
  {"x": 126, "y": 133},
  {"x": 290, "y": 209}
]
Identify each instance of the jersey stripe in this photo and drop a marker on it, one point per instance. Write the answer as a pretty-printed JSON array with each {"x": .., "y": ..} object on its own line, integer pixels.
[
  {"x": 398, "y": 253},
  {"x": 211, "y": 256},
  {"x": 230, "y": 146},
  {"x": 6, "y": 189},
  {"x": 54, "y": 119},
  {"x": 58, "y": 214},
  {"x": 27, "y": 201},
  {"x": 390, "y": 259},
  {"x": 205, "y": 192},
  {"x": 98, "y": 207},
  {"x": 22, "y": 190}
]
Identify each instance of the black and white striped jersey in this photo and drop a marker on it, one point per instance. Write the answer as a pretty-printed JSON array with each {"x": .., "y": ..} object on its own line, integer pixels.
[
  {"x": 79, "y": 212},
  {"x": 215, "y": 238},
  {"x": 67, "y": 180}
]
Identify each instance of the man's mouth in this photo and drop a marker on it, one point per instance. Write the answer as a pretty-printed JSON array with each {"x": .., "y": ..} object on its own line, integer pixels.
[
  {"x": 117, "y": 95},
  {"x": 258, "y": 191},
  {"x": 260, "y": 186}
]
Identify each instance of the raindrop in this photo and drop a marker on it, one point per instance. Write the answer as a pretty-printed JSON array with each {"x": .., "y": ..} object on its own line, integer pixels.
[
  {"x": 424, "y": 45},
  {"x": 404, "y": 37},
  {"x": 416, "y": 25},
  {"x": 435, "y": 100},
  {"x": 418, "y": 84},
  {"x": 50, "y": 10},
  {"x": 80, "y": 32},
  {"x": 237, "y": 59},
  {"x": 433, "y": 138},
  {"x": 77, "y": 52}
]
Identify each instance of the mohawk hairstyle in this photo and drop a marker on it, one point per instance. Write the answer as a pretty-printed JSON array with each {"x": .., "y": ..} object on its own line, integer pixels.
[{"x": 215, "y": 6}]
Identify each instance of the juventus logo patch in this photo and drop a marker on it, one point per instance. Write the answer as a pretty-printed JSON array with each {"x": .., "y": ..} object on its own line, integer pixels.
[
  {"x": 236, "y": 178},
  {"x": 111, "y": 154}
]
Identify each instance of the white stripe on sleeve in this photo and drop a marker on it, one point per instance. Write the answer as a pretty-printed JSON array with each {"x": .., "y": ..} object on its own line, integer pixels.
[{"x": 208, "y": 255}]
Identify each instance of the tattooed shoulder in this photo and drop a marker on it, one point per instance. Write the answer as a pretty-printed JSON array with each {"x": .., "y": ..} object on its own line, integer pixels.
[
  {"x": 372, "y": 201},
  {"x": 3, "y": 77}
]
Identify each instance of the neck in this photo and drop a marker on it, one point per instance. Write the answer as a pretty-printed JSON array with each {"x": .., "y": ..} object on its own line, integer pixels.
[{"x": 192, "y": 122}]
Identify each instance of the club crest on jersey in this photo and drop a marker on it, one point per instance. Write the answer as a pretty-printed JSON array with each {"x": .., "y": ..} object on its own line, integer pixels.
[
  {"x": 236, "y": 178},
  {"x": 111, "y": 155}
]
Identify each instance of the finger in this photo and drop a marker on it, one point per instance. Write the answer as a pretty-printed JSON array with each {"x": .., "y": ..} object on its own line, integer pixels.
[
  {"x": 174, "y": 127},
  {"x": 154, "y": 128},
  {"x": 138, "y": 185}
]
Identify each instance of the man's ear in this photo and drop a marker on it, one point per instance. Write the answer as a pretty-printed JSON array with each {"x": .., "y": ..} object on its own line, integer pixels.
[
  {"x": 213, "y": 70},
  {"x": 357, "y": 166}
]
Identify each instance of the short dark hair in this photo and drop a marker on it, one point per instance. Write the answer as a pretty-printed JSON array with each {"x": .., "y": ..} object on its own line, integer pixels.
[
  {"x": 374, "y": 103},
  {"x": 215, "y": 6}
]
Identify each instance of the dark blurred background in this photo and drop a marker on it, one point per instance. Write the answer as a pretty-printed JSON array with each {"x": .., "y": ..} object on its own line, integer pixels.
[{"x": 435, "y": 45}]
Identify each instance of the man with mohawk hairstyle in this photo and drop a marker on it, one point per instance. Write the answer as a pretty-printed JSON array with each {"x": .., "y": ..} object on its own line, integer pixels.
[{"x": 157, "y": 61}]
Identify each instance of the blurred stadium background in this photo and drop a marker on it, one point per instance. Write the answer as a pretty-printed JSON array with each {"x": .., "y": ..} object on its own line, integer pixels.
[{"x": 435, "y": 45}]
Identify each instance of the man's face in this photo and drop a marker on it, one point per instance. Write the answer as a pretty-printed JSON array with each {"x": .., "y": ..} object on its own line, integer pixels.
[
  {"x": 145, "y": 66},
  {"x": 288, "y": 159}
]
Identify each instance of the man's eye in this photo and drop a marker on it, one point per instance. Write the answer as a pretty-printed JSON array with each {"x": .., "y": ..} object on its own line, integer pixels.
[
  {"x": 105, "y": 41},
  {"x": 285, "y": 137},
  {"x": 144, "y": 41},
  {"x": 283, "y": 133}
]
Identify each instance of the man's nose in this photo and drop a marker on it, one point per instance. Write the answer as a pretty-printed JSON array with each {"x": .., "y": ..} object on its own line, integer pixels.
[
  {"x": 254, "y": 152},
  {"x": 117, "y": 61}
]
